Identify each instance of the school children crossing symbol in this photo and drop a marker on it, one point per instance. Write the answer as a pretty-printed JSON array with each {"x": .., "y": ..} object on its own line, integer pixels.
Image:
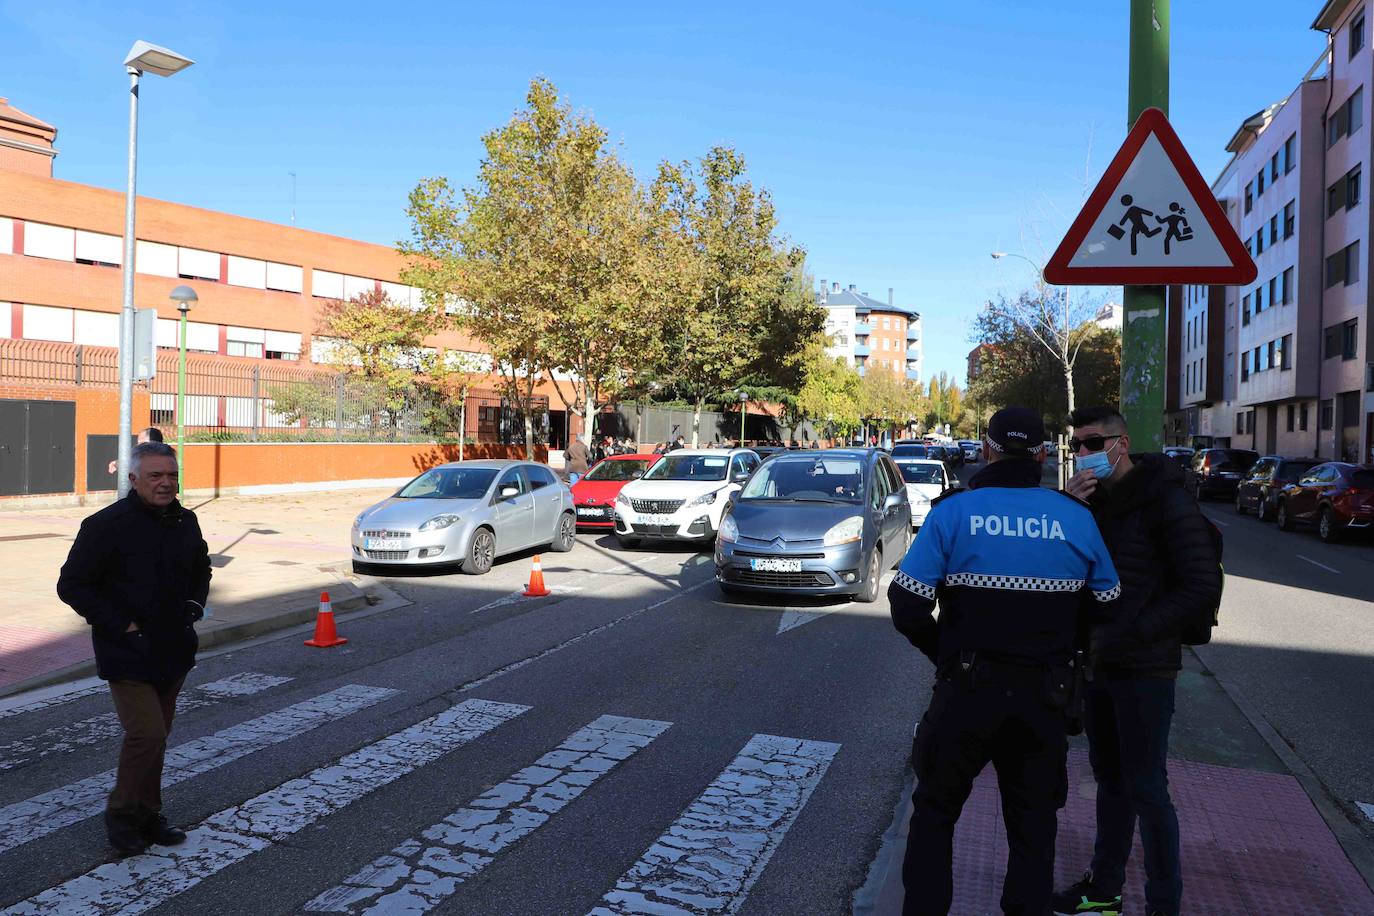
[{"x": 1151, "y": 220}]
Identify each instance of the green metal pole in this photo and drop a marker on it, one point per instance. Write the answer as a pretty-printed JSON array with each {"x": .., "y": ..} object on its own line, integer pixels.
[
  {"x": 181, "y": 413},
  {"x": 1143, "y": 364}
]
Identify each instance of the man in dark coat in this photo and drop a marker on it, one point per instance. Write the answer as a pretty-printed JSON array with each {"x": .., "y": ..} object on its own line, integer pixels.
[
  {"x": 139, "y": 572},
  {"x": 1170, "y": 576},
  {"x": 576, "y": 458}
]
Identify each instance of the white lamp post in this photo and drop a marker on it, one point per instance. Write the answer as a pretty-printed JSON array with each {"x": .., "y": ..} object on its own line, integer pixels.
[{"x": 143, "y": 57}]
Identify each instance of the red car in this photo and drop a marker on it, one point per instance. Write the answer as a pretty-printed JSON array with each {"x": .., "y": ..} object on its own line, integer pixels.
[
  {"x": 594, "y": 494},
  {"x": 1336, "y": 497}
]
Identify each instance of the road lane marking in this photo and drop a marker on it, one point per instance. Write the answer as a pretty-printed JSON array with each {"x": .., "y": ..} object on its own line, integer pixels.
[
  {"x": 41, "y": 815},
  {"x": 71, "y": 735},
  {"x": 793, "y": 617},
  {"x": 55, "y": 700},
  {"x": 572, "y": 640},
  {"x": 1315, "y": 563},
  {"x": 426, "y": 870},
  {"x": 142, "y": 882},
  {"x": 568, "y": 588},
  {"x": 710, "y": 857}
]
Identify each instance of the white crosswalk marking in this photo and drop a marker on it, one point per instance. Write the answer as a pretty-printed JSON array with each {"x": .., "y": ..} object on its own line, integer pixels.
[
  {"x": 70, "y": 735},
  {"x": 710, "y": 857},
  {"x": 142, "y": 882},
  {"x": 25, "y": 821},
  {"x": 35, "y": 705},
  {"x": 423, "y": 871}
]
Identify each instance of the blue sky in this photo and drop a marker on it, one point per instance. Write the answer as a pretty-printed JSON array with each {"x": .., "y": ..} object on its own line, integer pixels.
[{"x": 902, "y": 142}]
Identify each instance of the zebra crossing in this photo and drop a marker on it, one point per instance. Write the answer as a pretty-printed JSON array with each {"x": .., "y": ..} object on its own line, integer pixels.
[{"x": 704, "y": 862}]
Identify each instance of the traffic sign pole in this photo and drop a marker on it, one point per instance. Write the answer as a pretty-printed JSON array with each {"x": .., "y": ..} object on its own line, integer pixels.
[{"x": 1143, "y": 362}]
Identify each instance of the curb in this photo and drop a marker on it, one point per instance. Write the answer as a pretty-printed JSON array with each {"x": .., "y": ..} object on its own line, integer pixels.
[
  {"x": 209, "y": 639},
  {"x": 883, "y": 891}
]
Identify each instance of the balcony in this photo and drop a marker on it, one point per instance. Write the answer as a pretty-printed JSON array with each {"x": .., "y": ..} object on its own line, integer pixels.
[
  {"x": 863, "y": 329},
  {"x": 913, "y": 333},
  {"x": 913, "y": 375},
  {"x": 913, "y": 352},
  {"x": 861, "y": 349}
]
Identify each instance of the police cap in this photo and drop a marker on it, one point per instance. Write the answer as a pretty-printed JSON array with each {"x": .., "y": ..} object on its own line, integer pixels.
[{"x": 1017, "y": 431}]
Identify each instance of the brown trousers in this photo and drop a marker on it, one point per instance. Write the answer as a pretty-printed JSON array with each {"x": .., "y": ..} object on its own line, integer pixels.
[{"x": 146, "y": 714}]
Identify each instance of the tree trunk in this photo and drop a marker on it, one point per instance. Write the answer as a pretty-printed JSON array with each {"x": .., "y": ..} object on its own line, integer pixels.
[
  {"x": 529, "y": 433},
  {"x": 1068, "y": 385},
  {"x": 462, "y": 423},
  {"x": 589, "y": 416},
  {"x": 696, "y": 421}
]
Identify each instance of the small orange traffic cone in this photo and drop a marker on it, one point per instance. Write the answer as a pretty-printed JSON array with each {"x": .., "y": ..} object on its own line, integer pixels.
[
  {"x": 324, "y": 626},
  {"x": 535, "y": 588}
]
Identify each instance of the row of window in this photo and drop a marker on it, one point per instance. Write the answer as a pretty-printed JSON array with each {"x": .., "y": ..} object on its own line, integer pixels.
[
  {"x": 101, "y": 329},
  {"x": 1196, "y": 377},
  {"x": 1341, "y": 340},
  {"x": 1278, "y": 291},
  {"x": 1347, "y": 119},
  {"x": 1255, "y": 245},
  {"x": 1344, "y": 266},
  {"x": 1281, "y": 163},
  {"x": 1245, "y": 420},
  {"x": 1344, "y": 194},
  {"x": 1276, "y": 354}
]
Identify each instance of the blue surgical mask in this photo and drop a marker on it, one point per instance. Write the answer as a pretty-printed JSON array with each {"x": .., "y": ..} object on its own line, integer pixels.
[{"x": 1097, "y": 462}]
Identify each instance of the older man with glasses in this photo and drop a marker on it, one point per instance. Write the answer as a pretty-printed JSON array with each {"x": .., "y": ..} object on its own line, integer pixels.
[{"x": 1161, "y": 546}]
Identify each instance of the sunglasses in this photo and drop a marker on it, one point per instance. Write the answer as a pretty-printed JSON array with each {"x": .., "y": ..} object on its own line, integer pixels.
[{"x": 1092, "y": 443}]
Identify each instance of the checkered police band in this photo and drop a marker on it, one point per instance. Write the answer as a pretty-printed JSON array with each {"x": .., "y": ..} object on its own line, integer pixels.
[
  {"x": 1035, "y": 449},
  {"x": 915, "y": 586}
]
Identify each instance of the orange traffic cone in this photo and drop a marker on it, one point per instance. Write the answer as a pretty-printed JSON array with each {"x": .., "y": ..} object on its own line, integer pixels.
[
  {"x": 536, "y": 588},
  {"x": 324, "y": 626}
]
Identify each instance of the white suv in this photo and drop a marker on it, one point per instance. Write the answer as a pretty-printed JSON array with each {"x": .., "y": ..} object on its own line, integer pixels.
[{"x": 682, "y": 497}]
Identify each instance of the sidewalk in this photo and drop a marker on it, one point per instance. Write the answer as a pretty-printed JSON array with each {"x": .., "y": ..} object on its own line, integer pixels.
[
  {"x": 1256, "y": 838},
  {"x": 272, "y": 556}
]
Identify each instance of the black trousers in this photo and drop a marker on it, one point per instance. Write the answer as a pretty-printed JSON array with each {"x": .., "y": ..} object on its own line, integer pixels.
[{"x": 1005, "y": 720}]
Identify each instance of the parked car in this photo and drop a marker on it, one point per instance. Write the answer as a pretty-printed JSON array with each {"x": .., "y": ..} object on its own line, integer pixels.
[
  {"x": 973, "y": 451},
  {"x": 767, "y": 451},
  {"x": 816, "y": 523},
  {"x": 909, "y": 448},
  {"x": 467, "y": 512},
  {"x": 595, "y": 492},
  {"x": 1217, "y": 472},
  {"x": 1336, "y": 497},
  {"x": 926, "y": 480},
  {"x": 1260, "y": 488},
  {"x": 947, "y": 455},
  {"x": 681, "y": 497},
  {"x": 1181, "y": 454}
]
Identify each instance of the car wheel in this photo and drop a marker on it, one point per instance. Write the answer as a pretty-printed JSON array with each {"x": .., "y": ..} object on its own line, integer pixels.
[
  {"x": 1240, "y": 504},
  {"x": 872, "y": 578},
  {"x": 1262, "y": 509},
  {"x": 626, "y": 543},
  {"x": 1327, "y": 529},
  {"x": 481, "y": 553},
  {"x": 567, "y": 534},
  {"x": 1285, "y": 522}
]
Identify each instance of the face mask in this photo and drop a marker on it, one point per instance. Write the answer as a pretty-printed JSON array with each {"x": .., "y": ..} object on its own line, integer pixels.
[{"x": 1098, "y": 463}]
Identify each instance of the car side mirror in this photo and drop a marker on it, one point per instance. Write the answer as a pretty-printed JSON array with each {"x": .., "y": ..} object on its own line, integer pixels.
[
  {"x": 741, "y": 477},
  {"x": 510, "y": 492},
  {"x": 894, "y": 499}
]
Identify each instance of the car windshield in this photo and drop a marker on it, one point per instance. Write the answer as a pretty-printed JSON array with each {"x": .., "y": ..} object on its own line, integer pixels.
[
  {"x": 619, "y": 469},
  {"x": 922, "y": 473},
  {"x": 689, "y": 467},
  {"x": 811, "y": 479},
  {"x": 449, "y": 483},
  {"x": 1292, "y": 470},
  {"x": 908, "y": 451},
  {"x": 1234, "y": 460}
]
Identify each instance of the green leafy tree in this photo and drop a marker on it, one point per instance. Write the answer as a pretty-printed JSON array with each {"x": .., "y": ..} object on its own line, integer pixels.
[{"x": 829, "y": 393}]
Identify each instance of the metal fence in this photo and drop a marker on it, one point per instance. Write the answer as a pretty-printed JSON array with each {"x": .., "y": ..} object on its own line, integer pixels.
[{"x": 229, "y": 399}]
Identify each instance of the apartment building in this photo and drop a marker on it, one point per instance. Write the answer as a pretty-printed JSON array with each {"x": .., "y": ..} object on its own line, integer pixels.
[
  {"x": 872, "y": 335},
  {"x": 1282, "y": 365}
]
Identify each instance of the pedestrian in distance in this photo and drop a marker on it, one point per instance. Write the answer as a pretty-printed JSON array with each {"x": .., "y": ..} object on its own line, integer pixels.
[
  {"x": 139, "y": 572},
  {"x": 1170, "y": 579},
  {"x": 149, "y": 434},
  {"x": 575, "y": 458},
  {"x": 1017, "y": 570}
]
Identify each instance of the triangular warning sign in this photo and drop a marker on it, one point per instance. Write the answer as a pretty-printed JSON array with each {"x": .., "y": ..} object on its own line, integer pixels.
[{"x": 1151, "y": 220}]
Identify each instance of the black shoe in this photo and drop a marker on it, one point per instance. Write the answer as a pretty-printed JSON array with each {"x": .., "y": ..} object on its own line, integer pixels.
[
  {"x": 158, "y": 832},
  {"x": 1085, "y": 897},
  {"x": 124, "y": 833}
]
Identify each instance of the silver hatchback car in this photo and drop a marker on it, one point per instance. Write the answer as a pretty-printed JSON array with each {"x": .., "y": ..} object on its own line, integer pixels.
[{"x": 467, "y": 512}]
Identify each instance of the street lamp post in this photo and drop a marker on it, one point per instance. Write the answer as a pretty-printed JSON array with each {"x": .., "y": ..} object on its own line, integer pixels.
[
  {"x": 184, "y": 297},
  {"x": 743, "y": 403},
  {"x": 142, "y": 58}
]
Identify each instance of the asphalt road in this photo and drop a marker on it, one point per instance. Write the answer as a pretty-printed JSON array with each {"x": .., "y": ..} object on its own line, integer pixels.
[{"x": 681, "y": 796}]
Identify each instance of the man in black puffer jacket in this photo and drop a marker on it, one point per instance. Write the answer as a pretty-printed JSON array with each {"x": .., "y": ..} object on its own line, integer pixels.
[
  {"x": 1162, "y": 548},
  {"x": 139, "y": 572}
]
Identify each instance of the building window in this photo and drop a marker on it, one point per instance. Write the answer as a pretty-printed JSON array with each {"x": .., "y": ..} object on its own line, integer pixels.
[
  {"x": 1291, "y": 412},
  {"x": 283, "y": 354},
  {"x": 1259, "y": 299},
  {"x": 1352, "y": 187},
  {"x": 1245, "y": 314},
  {"x": 1249, "y": 197},
  {"x": 1344, "y": 266},
  {"x": 1240, "y": 424},
  {"x": 1259, "y": 184},
  {"x": 1331, "y": 342},
  {"x": 1289, "y": 220},
  {"x": 1347, "y": 119},
  {"x": 1287, "y": 289},
  {"x": 1328, "y": 411},
  {"x": 1290, "y": 153},
  {"x": 1273, "y": 168},
  {"x": 1302, "y": 416},
  {"x": 1286, "y": 357},
  {"x": 1259, "y": 241},
  {"x": 1357, "y": 33},
  {"x": 1350, "y": 343},
  {"x": 243, "y": 348},
  {"x": 1273, "y": 229},
  {"x": 1244, "y": 368},
  {"x": 1270, "y": 362}
]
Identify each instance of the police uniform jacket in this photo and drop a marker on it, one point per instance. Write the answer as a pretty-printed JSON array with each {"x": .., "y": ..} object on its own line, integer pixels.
[
  {"x": 135, "y": 563},
  {"x": 1016, "y": 569}
]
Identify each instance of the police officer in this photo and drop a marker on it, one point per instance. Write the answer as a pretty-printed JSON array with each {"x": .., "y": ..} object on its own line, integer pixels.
[{"x": 1017, "y": 569}]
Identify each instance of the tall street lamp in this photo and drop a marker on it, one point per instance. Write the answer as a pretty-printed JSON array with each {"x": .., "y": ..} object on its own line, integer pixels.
[
  {"x": 184, "y": 297},
  {"x": 743, "y": 403},
  {"x": 143, "y": 58}
]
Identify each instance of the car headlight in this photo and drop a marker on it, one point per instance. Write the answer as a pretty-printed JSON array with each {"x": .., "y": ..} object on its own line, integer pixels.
[
  {"x": 704, "y": 499},
  {"x": 358, "y": 522},
  {"x": 439, "y": 522},
  {"x": 729, "y": 531},
  {"x": 846, "y": 532},
  {"x": 622, "y": 500}
]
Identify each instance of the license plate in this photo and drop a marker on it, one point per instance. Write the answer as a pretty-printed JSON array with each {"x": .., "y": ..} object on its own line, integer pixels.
[
  {"x": 663, "y": 521},
  {"x": 383, "y": 544},
  {"x": 592, "y": 513},
  {"x": 773, "y": 564}
]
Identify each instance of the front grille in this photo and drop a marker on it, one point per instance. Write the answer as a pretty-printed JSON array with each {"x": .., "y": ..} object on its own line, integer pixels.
[
  {"x": 790, "y": 556},
  {"x": 803, "y": 579},
  {"x": 656, "y": 506},
  {"x": 386, "y": 534},
  {"x": 654, "y": 530},
  {"x": 386, "y": 554}
]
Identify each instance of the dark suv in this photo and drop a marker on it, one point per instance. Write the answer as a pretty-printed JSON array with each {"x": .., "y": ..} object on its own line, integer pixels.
[
  {"x": 1260, "y": 488},
  {"x": 1217, "y": 472}
]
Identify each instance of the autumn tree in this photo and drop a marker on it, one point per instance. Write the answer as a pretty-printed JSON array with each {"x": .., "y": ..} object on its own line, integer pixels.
[{"x": 829, "y": 392}]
